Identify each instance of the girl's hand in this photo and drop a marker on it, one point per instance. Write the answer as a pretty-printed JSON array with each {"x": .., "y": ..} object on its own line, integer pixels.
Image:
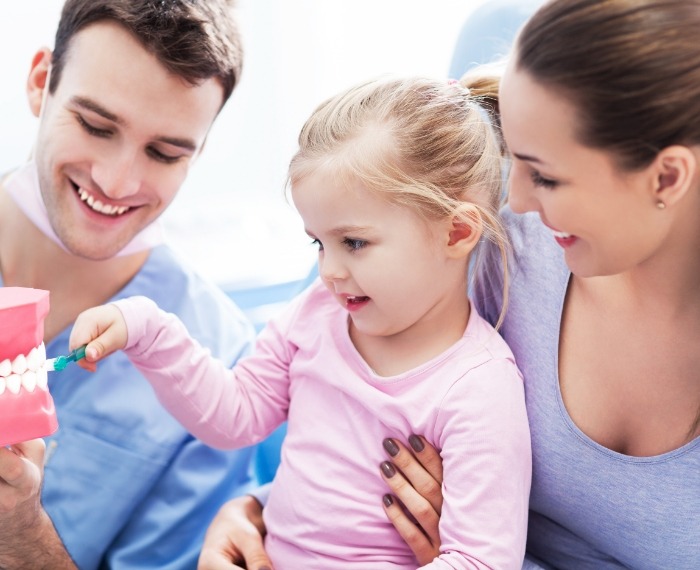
[
  {"x": 104, "y": 331},
  {"x": 235, "y": 536},
  {"x": 414, "y": 475}
]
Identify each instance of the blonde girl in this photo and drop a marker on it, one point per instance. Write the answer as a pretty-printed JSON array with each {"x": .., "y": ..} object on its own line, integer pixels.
[{"x": 398, "y": 181}]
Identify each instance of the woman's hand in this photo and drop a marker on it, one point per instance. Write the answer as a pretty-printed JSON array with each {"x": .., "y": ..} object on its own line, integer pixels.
[
  {"x": 235, "y": 536},
  {"x": 414, "y": 476}
]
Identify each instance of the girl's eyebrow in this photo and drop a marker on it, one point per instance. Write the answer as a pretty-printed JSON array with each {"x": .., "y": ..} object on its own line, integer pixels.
[{"x": 349, "y": 229}]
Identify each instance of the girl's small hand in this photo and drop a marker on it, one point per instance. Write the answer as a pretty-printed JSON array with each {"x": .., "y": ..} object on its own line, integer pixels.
[
  {"x": 104, "y": 331},
  {"x": 415, "y": 479}
]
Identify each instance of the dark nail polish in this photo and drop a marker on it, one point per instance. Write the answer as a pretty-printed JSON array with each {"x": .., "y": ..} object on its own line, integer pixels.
[
  {"x": 388, "y": 469},
  {"x": 390, "y": 446},
  {"x": 416, "y": 443},
  {"x": 388, "y": 500}
]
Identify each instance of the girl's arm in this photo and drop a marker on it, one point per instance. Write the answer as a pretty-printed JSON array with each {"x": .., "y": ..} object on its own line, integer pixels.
[
  {"x": 224, "y": 408},
  {"x": 484, "y": 438}
]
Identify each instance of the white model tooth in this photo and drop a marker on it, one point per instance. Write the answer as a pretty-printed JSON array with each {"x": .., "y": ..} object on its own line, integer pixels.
[
  {"x": 97, "y": 205},
  {"x": 14, "y": 383},
  {"x": 42, "y": 379},
  {"x": 122, "y": 209},
  {"x": 29, "y": 380},
  {"x": 83, "y": 195},
  {"x": 42, "y": 353},
  {"x": 34, "y": 359},
  {"x": 19, "y": 364},
  {"x": 5, "y": 368},
  {"x": 2, "y": 386},
  {"x": 90, "y": 201}
]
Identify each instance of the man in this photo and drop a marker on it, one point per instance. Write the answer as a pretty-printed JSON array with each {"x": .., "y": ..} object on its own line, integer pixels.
[{"x": 124, "y": 102}]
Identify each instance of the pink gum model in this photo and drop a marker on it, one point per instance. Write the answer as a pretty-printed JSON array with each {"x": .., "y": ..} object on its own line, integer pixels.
[{"x": 29, "y": 413}]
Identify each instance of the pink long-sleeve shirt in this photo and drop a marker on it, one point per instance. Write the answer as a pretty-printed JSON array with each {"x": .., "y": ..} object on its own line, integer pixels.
[{"x": 325, "y": 508}]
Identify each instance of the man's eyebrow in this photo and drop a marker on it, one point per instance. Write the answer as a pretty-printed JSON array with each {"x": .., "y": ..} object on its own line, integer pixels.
[
  {"x": 95, "y": 107},
  {"x": 91, "y": 105}
]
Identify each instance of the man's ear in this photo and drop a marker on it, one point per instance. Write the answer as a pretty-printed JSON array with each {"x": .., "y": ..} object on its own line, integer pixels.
[
  {"x": 38, "y": 79},
  {"x": 464, "y": 232},
  {"x": 675, "y": 169}
]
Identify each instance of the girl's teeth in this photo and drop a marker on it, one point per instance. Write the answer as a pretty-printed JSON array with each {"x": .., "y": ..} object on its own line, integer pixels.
[{"x": 561, "y": 235}]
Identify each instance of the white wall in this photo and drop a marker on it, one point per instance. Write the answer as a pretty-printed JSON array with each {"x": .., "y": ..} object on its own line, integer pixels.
[{"x": 231, "y": 219}]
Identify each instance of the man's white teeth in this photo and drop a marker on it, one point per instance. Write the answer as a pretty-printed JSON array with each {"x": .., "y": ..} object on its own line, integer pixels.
[
  {"x": 98, "y": 206},
  {"x": 561, "y": 235}
]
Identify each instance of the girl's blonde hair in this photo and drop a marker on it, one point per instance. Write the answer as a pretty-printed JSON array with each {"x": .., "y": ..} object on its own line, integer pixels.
[{"x": 425, "y": 144}]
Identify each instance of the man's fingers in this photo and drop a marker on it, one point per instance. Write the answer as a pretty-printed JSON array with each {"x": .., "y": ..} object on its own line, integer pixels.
[{"x": 234, "y": 536}]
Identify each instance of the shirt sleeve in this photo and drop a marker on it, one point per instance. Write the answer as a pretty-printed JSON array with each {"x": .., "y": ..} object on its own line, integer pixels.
[
  {"x": 485, "y": 447},
  {"x": 225, "y": 408}
]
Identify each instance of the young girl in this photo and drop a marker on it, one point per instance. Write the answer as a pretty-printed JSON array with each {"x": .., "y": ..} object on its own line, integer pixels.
[{"x": 397, "y": 182}]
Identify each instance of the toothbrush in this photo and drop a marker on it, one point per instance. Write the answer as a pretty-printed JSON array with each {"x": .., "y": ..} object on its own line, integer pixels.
[{"x": 60, "y": 362}]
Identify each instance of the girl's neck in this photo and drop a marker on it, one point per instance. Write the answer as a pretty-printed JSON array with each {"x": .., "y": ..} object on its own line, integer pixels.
[{"x": 418, "y": 344}]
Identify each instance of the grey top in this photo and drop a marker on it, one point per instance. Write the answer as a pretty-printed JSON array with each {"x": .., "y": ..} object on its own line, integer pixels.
[{"x": 590, "y": 507}]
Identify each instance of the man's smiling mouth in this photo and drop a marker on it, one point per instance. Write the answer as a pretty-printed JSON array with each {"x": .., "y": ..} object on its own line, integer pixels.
[{"x": 98, "y": 206}]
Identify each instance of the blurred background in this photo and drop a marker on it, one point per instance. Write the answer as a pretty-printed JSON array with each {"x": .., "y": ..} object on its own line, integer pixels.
[{"x": 231, "y": 219}]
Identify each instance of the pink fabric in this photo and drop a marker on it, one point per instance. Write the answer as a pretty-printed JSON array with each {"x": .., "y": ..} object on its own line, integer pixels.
[
  {"x": 325, "y": 509},
  {"x": 23, "y": 187}
]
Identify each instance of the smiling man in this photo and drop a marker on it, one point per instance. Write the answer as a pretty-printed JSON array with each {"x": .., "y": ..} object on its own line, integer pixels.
[{"x": 124, "y": 102}]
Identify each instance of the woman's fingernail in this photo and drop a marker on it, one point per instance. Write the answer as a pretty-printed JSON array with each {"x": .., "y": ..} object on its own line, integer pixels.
[
  {"x": 264, "y": 568},
  {"x": 416, "y": 443},
  {"x": 388, "y": 500},
  {"x": 390, "y": 446},
  {"x": 388, "y": 469}
]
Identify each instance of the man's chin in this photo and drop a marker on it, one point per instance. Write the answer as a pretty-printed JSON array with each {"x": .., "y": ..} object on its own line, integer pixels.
[{"x": 96, "y": 251}]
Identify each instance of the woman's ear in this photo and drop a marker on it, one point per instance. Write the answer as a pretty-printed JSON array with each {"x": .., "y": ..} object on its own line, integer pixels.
[
  {"x": 464, "y": 232},
  {"x": 38, "y": 79},
  {"x": 675, "y": 172}
]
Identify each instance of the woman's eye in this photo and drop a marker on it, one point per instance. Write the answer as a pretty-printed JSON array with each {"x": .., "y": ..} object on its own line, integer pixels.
[
  {"x": 317, "y": 243},
  {"x": 354, "y": 244},
  {"x": 539, "y": 180}
]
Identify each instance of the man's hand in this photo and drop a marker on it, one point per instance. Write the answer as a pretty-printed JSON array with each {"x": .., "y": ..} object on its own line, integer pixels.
[
  {"x": 27, "y": 536},
  {"x": 414, "y": 476},
  {"x": 235, "y": 536}
]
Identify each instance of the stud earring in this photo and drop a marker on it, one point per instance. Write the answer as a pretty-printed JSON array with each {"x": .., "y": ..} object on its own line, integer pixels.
[{"x": 660, "y": 204}]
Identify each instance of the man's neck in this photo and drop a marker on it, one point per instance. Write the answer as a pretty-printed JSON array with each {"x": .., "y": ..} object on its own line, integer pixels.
[{"x": 30, "y": 259}]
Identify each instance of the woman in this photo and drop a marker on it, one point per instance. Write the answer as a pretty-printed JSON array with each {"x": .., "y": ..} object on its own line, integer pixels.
[{"x": 599, "y": 110}]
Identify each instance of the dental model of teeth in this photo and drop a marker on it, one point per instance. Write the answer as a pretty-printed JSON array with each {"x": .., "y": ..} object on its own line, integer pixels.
[{"x": 26, "y": 408}]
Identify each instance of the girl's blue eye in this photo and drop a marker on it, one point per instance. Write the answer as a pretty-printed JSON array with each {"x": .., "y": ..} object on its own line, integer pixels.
[
  {"x": 354, "y": 244},
  {"x": 539, "y": 180}
]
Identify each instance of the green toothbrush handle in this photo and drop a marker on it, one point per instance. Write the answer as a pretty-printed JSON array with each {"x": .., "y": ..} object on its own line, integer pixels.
[{"x": 61, "y": 362}]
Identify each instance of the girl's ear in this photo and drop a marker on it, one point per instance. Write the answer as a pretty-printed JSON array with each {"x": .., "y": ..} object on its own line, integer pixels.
[
  {"x": 464, "y": 232},
  {"x": 37, "y": 81},
  {"x": 675, "y": 171}
]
